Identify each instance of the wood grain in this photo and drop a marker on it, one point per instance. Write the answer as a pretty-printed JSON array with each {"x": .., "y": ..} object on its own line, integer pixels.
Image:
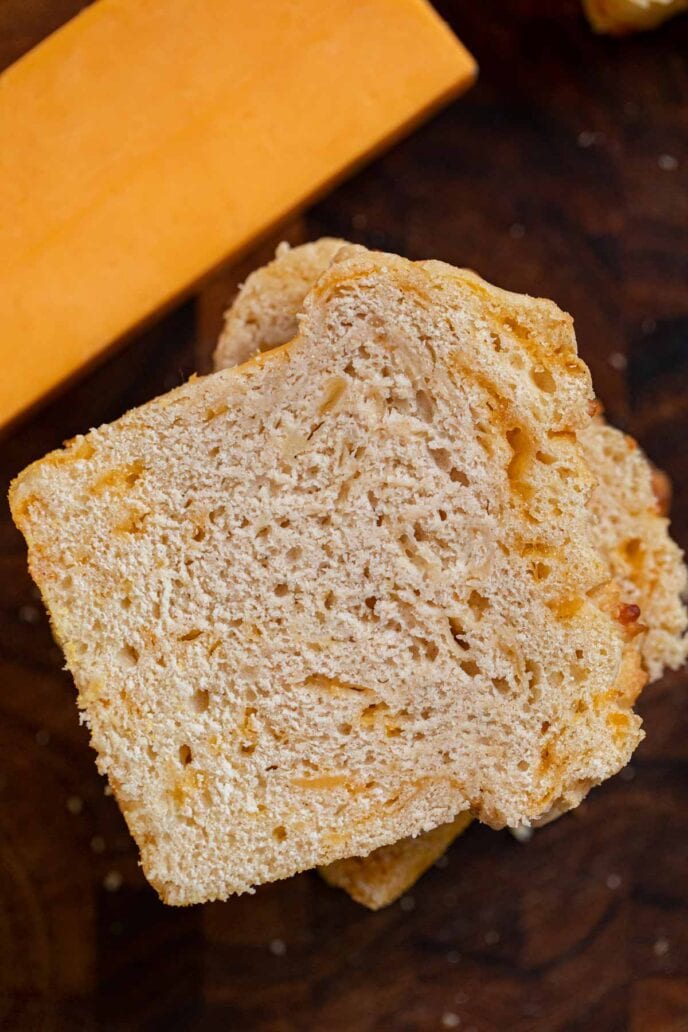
[{"x": 552, "y": 176}]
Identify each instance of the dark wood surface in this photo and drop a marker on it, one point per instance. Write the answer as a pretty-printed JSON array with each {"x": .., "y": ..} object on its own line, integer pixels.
[{"x": 562, "y": 173}]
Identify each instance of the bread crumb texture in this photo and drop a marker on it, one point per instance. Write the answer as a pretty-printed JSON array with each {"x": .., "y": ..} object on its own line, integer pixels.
[{"x": 333, "y": 597}]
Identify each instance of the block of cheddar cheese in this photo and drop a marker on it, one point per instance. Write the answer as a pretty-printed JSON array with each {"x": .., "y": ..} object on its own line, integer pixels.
[{"x": 144, "y": 143}]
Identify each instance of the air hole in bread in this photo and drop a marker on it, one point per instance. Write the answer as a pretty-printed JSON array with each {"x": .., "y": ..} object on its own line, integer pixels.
[
  {"x": 496, "y": 342},
  {"x": 442, "y": 515},
  {"x": 534, "y": 693},
  {"x": 343, "y": 493},
  {"x": 371, "y": 602},
  {"x": 457, "y": 476},
  {"x": 502, "y": 685},
  {"x": 441, "y": 458},
  {"x": 191, "y": 635},
  {"x": 424, "y": 406},
  {"x": 543, "y": 379},
  {"x": 431, "y": 650},
  {"x": 470, "y": 667},
  {"x": 540, "y": 571},
  {"x": 280, "y": 833},
  {"x": 344, "y": 729},
  {"x": 281, "y": 590},
  {"x": 544, "y": 458},
  {"x": 478, "y": 603},
  {"x": 200, "y": 700},
  {"x": 523, "y": 765},
  {"x": 185, "y": 756},
  {"x": 198, "y": 534},
  {"x": 294, "y": 554},
  {"x": 457, "y": 631},
  {"x": 126, "y": 602},
  {"x": 128, "y": 656},
  {"x": 329, "y": 600}
]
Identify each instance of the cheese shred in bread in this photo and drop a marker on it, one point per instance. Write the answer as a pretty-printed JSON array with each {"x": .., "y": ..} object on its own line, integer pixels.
[{"x": 326, "y": 600}]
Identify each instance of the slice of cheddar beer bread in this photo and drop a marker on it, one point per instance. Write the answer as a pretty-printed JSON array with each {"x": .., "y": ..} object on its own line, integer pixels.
[
  {"x": 630, "y": 502},
  {"x": 324, "y": 601}
]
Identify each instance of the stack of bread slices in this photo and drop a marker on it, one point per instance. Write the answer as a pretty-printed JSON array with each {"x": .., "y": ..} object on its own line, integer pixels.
[{"x": 383, "y": 572}]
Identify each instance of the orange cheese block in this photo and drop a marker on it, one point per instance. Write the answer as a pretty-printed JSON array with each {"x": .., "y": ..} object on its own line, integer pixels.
[{"x": 145, "y": 142}]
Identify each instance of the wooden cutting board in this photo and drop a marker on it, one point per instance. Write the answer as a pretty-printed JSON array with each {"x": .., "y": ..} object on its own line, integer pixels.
[{"x": 563, "y": 173}]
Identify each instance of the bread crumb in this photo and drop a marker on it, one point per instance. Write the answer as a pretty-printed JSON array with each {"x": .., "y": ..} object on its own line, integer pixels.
[
  {"x": 29, "y": 614},
  {"x": 75, "y": 805},
  {"x": 667, "y": 162},
  {"x": 277, "y": 947},
  {"x": 522, "y": 834},
  {"x": 661, "y": 947},
  {"x": 617, "y": 360},
  {"x": 588, "y": 137},
  {"x": 98, "y": 844},
  {"x": 450, "y": 1020},
  {"x": 517, "y": 231},
  {"x": 407, "y": 903},
  {"x": 613, "y": 881},
  {"x": 492, "y": 937},
  {"x": 453, "y": 957},
  {"x": 112, "y": 881}
]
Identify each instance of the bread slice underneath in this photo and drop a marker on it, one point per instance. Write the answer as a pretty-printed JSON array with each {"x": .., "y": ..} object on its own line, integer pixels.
[
  {"x": 326, "y": 600},
  {"x": 631, "y": 529},
  {"x": 387, "y": 873}
]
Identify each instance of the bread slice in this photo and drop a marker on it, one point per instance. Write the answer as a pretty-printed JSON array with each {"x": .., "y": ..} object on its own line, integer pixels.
[
  {"x": 387, "y": 873},
  {"x": 326, "y": 600},
  {"x": 619, "y": 17},
  {"x": 630, "y": 503}
]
